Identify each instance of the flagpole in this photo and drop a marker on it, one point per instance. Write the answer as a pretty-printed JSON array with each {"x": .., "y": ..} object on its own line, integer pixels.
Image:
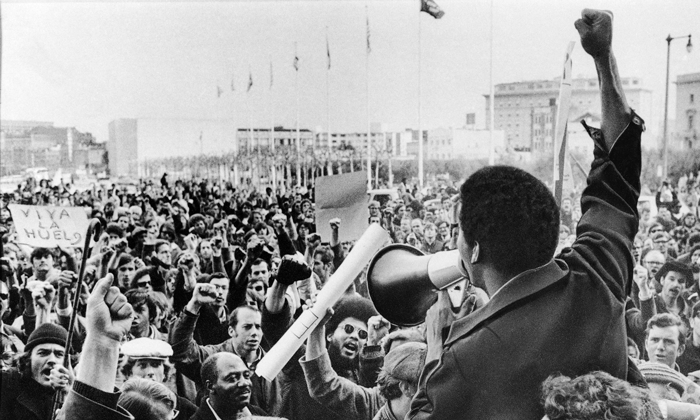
[
  {"x": 328, "y": 105},
  {"x": 250, "y": 130},
  {"x": 272, "y": 134},
  {"x": 237, "y": 144},
  {"x": 369, "y": 133},
  {"x": 420, "y": 109},
  {"x": 492, "y": 157},
  {"x": 296, "y": 88}
]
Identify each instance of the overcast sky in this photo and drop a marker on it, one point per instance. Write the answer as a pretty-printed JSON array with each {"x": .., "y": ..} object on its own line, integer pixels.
[{"x": 84, "y": 64}]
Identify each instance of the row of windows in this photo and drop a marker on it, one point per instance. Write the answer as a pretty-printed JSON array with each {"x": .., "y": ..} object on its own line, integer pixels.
[{"x": 553, "y": 85}]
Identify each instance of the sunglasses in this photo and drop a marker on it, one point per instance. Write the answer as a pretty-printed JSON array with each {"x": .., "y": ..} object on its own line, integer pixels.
[
  {"x": 4, "y": 296},
  {"x": 143, "y": 283},
  {"x": 349, "y": 329}
]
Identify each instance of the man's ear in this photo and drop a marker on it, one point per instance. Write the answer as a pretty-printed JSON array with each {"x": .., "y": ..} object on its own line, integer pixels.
[
  {"x": 231, "y": 331},
  {"x": 681, "y": 349},
  {"x": 210, "y": 387}
]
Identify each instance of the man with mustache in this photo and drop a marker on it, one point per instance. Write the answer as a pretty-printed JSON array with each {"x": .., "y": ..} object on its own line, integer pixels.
[
  {"x": 345, "y": 337},
  {"x": 673, "y": 277},
  {"x": 28, "y": 390}
]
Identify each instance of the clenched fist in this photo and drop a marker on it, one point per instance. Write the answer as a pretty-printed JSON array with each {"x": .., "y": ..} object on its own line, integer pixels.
[
  {"x": 108, "y": 313},
  {"x": 292, "y": 269},
  {"x": 595, "y": 29}
]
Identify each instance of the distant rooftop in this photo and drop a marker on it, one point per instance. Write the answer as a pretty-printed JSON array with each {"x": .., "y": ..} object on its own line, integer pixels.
[{"x": 688, "y": 78}]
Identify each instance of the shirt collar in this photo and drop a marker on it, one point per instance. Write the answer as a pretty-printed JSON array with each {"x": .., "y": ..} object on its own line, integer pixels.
[{"x": 243, "y": 414}]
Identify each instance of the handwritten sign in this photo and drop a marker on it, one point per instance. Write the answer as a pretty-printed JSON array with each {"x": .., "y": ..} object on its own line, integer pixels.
[{"x": 45, "y": 226}]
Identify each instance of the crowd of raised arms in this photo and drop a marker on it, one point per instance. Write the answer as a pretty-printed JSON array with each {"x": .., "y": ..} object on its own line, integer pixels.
[{"x": 192, "y": 282}]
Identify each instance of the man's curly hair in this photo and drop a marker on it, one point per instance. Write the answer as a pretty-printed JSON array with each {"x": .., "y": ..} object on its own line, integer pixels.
[
  {"x": 513, "y": 217},
  {"x": 594, "y": 396}
]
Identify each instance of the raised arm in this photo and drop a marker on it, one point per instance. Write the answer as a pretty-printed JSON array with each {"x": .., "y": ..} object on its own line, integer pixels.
[
  {"x": 595, "y": 28},
  {"x": 609, "y": 202},
  {"x": 109, "y": 318}
]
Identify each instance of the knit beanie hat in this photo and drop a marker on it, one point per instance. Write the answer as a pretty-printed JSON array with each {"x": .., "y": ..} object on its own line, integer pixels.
[
  {"x": 47, "y": 333},
  {"x": 659, "y": 373}
]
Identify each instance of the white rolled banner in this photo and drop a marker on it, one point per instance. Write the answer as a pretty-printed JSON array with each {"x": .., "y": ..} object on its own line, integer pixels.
[{"x": 369, "y": 243}]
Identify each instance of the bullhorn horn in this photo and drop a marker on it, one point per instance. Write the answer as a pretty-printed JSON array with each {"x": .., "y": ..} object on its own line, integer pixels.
[{"x": 402, "y": 281}]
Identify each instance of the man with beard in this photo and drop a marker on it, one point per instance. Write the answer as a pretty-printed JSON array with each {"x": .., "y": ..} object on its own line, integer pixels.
[
  {"x": 673, "y": 278},
  {"x": 244, "y": 328},
  {"x": 28, "y": 389},
  {"x": 491, "y": 364},
  {"x": 227, "y": 380},
  {"x": 346, "y": 335}
]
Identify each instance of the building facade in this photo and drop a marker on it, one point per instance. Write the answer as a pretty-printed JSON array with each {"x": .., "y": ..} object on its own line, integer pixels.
[
  {"x": 28, "y": 144},
  {"x": 462, "y": 143},
  {"x": 526, "y": 111},
  {"x": 687, "y": 134}
]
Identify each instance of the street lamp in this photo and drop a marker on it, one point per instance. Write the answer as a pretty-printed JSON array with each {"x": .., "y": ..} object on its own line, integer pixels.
[{"x": 689, "y": 48}]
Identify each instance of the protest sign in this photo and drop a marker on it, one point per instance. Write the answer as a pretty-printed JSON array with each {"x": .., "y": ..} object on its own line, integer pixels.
[
  {"x": 345, "y": 197},
  {"x": 46, "y": 226}
]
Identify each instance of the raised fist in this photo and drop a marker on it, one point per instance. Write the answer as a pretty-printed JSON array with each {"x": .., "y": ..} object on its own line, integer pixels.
[
  {"x": 42, "y": 293},
  {"x": 108, "y": 313},
  {"x": 335, "y": 223},
  {"x": 378, "y": 328},
  {"x": 292, "y": 270},
  {"x": 595, "y": 29},
  {"x": 204, "y": 293}
]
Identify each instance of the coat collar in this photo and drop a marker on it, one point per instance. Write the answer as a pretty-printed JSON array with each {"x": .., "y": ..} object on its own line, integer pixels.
[
  {"x": 518, "y": 288},
  {"x": 34, "y": 398}
]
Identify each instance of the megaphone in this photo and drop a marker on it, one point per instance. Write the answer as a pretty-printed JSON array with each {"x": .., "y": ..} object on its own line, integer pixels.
[{"x": 402, "y": 281}]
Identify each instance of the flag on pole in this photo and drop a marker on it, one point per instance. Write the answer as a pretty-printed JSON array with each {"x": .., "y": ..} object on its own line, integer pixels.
[
  {"x": 560, "y": 144},
  {"x": 296, "y": 59},
  {"x": 250, "y": 81},
  {"x": 219, "y": 91},
  {"x": 369, "y": 48},
  {"x": 328, "y": 52},
  {"x": 431, "y": 8}
]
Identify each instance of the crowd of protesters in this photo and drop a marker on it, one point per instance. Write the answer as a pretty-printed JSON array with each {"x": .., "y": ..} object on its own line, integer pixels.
[{"x": 193, "y": 281}]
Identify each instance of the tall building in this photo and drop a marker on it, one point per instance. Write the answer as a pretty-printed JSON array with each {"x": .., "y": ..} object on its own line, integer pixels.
[
  {"x": 687, "y": 112},
  {"x": 526, "y": 111}
]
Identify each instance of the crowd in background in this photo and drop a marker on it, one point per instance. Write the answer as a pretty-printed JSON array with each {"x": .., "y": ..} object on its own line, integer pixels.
[{"x": 216, "y": 275}]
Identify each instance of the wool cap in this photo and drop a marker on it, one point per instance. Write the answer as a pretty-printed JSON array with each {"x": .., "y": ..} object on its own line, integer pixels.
[
  {"x": 661, "y": 374},
  {"x": 47, "y": 333}
]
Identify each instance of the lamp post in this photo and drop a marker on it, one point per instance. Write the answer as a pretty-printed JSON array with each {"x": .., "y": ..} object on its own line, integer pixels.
[{"x": 689, "y": 48}]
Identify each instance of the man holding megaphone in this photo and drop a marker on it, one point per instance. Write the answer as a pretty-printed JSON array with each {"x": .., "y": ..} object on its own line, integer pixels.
[{"x": 546, "y": 315}]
